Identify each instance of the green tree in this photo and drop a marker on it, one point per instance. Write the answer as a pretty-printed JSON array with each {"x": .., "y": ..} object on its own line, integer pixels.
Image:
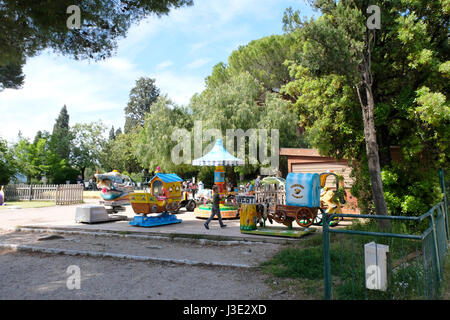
[
  {"x": 241, "y": 102},
  {"x": 156, "y": 144},
  {"x": 60, "y": 139},
  {"x": 120, "y": 153},
  {"x": 264, "y": 60},
  {"x": 7, "y": 163},
  {"x": 87, "y": 145},
  {"x": 28, "y": 27},
  {"x": 398, "y": 77},
  {"x": 112, "y": 134},
  {"x": 31, "y": 158},
  {"x": 142, "y": 97}
]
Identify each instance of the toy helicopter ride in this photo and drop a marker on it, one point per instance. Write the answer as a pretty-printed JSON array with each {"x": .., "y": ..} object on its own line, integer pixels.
[{"x": 164, "y": 199}]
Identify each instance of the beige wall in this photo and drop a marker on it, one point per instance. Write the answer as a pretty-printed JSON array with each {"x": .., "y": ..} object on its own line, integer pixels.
[{"x": 338, "y": 168}]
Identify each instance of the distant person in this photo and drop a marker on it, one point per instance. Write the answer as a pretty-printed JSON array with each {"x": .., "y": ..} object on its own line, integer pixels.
[
  {"x": 215, "y": 210},
  {"x": 229, "y": 186},
  {"x": 2, "y": 196},
  {"x": 258, "y": 182}
]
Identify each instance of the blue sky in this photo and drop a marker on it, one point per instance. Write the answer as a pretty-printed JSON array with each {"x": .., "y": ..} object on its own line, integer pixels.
[{"x": 178, "y": 50}]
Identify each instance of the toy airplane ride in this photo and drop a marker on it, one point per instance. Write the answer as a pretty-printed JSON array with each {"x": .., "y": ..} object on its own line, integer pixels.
[
  {"x": 164, "y": 199},
  {"x": 115, "y": 189}
]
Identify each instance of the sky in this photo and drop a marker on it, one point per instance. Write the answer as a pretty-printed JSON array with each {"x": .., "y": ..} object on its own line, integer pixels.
[{"x": 178, "y": 51}]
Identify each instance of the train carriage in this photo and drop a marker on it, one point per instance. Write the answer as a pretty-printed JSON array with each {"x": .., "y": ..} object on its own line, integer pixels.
[{"x": 165, "y": 195}]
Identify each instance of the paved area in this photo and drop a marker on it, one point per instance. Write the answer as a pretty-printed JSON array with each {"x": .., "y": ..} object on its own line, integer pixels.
[{"x": 63, "y": 217}]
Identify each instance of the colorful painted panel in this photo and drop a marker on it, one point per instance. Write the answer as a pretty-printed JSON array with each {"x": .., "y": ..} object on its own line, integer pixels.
[{"x": 303, "y": 190}]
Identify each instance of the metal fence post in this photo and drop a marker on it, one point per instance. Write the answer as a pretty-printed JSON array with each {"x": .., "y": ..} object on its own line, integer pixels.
[
  {"x": 444, "y": 191},
  {"x": 436, "y": 248},
  {"x": 326, "y": 257}
]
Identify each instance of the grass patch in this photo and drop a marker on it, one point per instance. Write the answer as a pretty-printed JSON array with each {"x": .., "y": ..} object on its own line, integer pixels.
[
  {"x": 27, "y": 204},
  {"x": 407, "y": 277},
  {"x": 446, "y": 281},
  {"x": 91, "y": 195}
]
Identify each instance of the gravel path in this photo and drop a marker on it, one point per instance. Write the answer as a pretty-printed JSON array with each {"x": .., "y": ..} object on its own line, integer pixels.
[
  {"x": 190, "y": 251},
  {"x": 40, "y": 276},
  {"x": 44, "y": 276}
]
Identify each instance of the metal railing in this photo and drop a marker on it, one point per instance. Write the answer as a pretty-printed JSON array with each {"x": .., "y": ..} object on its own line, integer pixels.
[{"x": 414, "y": 263}]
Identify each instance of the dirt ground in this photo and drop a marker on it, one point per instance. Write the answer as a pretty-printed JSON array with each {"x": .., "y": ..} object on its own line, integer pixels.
[{"x": 27, "y": 275}]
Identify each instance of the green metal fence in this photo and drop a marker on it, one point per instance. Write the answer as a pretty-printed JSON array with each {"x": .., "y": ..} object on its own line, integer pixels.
[{"x": 411, "y": 268}]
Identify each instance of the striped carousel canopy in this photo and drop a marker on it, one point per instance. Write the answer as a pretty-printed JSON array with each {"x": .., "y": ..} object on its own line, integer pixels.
[{"x": 218, "y": 156}]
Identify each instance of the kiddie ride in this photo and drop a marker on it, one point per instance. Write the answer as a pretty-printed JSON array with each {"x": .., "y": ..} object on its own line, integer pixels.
[
  {"x": 228, "y": 208},
  {"x": 305, "y": 204},
  {"x": 164, "y": 199},
  {"x": 115, "y": 190}
]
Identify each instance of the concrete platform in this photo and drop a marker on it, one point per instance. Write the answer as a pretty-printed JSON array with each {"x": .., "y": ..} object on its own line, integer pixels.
[{"x": 63, "y": 218}]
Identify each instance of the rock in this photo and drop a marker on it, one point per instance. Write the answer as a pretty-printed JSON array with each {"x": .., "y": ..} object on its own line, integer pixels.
[
  {"x": 51, "y": 237},
  {"x": 280, "y": 292}
]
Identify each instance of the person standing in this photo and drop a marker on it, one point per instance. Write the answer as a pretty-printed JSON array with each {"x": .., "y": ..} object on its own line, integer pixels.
[
  {"x": 215, "y": 208},
  {"x": 258, "y": 182}
]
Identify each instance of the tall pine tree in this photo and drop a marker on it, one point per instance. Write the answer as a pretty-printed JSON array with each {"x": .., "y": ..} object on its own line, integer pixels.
[
  {"x": 112, "y": 134},
  {"x": 61, "y": 135},
  {"x": 142, "y": 96}
]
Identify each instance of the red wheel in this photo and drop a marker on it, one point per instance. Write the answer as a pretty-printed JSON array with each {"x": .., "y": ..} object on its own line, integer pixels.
[
  {"x": 304, "y": 217},
  {"x": 279, "y": 216}
]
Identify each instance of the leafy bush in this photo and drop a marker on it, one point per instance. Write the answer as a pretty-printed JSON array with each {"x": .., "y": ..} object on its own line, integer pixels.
[{"x": 64, "y": 174}]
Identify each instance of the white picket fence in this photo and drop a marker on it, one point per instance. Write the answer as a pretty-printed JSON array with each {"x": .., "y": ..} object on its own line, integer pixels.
[
  {"x": 62, "y": 194},
  {"x": 273, "y": 192}
]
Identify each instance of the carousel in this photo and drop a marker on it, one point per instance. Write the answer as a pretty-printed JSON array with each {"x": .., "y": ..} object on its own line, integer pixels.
[{"x": 220, "y": 158}]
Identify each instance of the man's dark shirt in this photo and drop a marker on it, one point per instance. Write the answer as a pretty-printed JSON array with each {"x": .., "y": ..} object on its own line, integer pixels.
[{"x": 216, "y": 201}]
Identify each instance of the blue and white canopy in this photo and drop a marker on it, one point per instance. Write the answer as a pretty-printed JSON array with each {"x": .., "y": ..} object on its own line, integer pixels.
[{"x": 218, "y": 156}]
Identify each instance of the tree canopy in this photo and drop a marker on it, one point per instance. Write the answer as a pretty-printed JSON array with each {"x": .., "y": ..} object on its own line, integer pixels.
[
  {"x": 29, "y": 26},
  {"x": 61, "y": 137},
  {"x": 142, "y": 96},
  {"x": 408, "y": 82}
]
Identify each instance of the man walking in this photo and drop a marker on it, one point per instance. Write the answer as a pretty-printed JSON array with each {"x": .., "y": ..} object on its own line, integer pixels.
[{"x": 215, "y": 208}]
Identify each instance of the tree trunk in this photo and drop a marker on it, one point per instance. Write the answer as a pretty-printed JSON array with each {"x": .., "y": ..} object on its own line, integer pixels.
[
  {"x": 370, "y": 135},
  {"x": 373, "y": 158}
]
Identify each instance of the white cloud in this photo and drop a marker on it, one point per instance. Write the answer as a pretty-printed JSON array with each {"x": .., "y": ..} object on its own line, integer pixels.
[
  {"x": 93, "y": 91},
  {"x": 179, "y": 88},
  {"x": 165, "y": 64},
  {"x": 116, "y": 64},
  {"x": 90, "y": 91},
  {"x": 198, "y": 63}
]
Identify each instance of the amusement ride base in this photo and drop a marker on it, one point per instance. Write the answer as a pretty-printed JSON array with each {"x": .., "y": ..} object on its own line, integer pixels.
[
  {"x": 227, "y": 212},
  {"x": 280, "y": 231},
  {"x": 154, "y": 221}
]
